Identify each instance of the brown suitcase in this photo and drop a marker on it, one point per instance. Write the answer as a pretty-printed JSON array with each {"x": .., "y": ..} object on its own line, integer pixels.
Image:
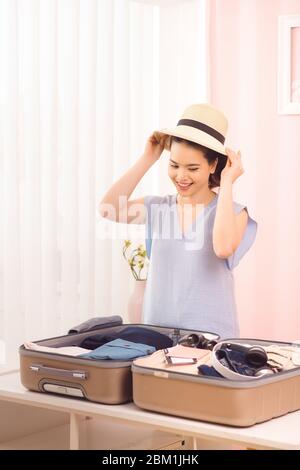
[
  {"x": 102, "y": 381},
  {"x": 215, "y": 399}
]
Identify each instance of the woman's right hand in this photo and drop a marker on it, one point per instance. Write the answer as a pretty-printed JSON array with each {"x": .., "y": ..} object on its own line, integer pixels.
[{"x": 155, "y": 145}]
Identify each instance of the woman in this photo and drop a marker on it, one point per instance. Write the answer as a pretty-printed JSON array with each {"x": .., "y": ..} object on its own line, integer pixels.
[{"x": 195, "y": 237}]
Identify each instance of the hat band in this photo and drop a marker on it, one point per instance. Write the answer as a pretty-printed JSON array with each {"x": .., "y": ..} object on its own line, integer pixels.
[{"x": 202, "y": 127}]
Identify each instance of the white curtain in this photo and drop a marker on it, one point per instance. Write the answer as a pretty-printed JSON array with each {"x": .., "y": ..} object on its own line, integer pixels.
[{"x": 82, "y": 85}]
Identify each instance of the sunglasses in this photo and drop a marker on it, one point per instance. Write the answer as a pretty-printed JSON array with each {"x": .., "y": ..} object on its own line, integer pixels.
[{"x": 194, "y": 340}]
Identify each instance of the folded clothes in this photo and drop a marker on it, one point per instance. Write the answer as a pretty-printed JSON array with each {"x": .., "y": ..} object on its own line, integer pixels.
[
  {"x": 97, "y": 322},
  {"x": 157, "y": 360},
  {"x": 120, "y": 350},
  {"x": 283, "y": 357},
  {"x": 130, "y": 333},
  {"x": 210, "y": 371},
  {"x": 279, "y": 358},
  {"x": 235, "y": 361},
  {"x": 186, "y": 352},
  {"x": 65, "y": 350}
]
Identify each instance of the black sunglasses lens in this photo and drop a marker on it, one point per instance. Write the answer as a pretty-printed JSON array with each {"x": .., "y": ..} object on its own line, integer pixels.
[{"x": 191, "y": 340}]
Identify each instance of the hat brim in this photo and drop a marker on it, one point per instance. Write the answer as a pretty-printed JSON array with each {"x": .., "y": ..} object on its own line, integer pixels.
[{"x": 194, "y": 135}]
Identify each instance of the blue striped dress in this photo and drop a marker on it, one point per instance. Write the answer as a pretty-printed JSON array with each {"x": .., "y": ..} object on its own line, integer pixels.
[{"x": 188, "y": 286}]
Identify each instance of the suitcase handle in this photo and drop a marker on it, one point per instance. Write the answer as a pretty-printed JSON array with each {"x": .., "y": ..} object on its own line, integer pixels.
[{"x": 76, "y": 374}]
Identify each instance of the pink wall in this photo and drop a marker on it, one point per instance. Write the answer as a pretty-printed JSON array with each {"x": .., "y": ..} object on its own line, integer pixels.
[
  {"x": 295, "y": 72},
  {"x": 243, "y": 77}
]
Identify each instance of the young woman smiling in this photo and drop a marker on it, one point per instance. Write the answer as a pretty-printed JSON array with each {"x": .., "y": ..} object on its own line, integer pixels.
[{"x": 195, "y": 237}]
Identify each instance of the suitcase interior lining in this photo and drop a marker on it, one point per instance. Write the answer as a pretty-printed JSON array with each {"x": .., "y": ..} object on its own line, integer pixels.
[{"x": 75, "y": 339}]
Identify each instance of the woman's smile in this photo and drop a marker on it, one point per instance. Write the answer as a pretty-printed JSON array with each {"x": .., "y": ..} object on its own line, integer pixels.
[{"x": 184, "y": 186}]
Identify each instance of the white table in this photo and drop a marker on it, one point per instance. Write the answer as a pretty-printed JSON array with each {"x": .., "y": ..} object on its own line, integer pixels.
[{"x": 279, "y": 433}]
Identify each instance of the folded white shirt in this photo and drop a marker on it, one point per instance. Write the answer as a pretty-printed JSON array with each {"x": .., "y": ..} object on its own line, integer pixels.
[{"x": 65, "y": 350}]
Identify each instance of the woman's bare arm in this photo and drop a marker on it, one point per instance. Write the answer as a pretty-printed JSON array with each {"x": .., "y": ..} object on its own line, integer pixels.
[{"x": 115, "y": 205}]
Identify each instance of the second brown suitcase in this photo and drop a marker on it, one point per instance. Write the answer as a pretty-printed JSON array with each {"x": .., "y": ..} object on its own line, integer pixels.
[{"x": 215, "y": 399}]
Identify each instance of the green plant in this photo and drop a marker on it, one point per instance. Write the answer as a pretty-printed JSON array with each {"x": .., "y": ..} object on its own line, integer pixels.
[{"x": 137, "y": 260}]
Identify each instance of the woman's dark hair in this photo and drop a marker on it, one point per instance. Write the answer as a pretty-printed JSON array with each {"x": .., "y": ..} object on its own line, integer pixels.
[{"x": 210, "y": 156}]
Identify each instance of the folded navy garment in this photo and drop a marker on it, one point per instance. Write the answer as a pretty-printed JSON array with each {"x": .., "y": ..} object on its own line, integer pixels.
[
  {"x": 235, "y": 361},
  {"x": 120, "y": 350},
  {"x": 130, "y": 333},
  {"x": 204, "y": 369}
]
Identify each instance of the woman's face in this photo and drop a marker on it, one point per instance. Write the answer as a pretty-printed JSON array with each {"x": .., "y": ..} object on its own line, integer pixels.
[{"x": 188, "y": 169}]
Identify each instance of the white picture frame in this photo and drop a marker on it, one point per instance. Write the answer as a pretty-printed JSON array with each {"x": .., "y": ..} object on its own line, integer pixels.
[{"x": 288, "y": 82}]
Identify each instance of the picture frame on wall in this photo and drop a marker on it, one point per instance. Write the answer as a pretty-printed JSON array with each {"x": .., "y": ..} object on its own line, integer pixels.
[{"x": 289, "y": 64}]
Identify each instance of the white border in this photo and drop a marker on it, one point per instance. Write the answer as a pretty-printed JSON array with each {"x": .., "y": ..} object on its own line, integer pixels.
[{"x": 285, "y": 23}]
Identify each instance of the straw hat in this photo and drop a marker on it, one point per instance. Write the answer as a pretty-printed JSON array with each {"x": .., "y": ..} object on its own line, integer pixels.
[{"x": 200, "y": 123}]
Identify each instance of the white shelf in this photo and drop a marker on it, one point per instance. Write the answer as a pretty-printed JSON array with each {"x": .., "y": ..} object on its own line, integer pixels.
[
  {"x": 279, "y": 433},
  {"x": 97, "y": 435}
]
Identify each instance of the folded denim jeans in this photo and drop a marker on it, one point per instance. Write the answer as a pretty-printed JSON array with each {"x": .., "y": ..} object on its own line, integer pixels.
[{"x": 121, "y": 350}]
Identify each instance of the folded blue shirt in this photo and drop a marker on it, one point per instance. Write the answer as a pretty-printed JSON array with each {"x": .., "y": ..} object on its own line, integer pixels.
[{"x": 120, "y": 349}]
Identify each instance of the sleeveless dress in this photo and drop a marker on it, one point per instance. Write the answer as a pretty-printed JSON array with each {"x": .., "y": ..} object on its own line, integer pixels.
[{"x": 188, "y": 286}]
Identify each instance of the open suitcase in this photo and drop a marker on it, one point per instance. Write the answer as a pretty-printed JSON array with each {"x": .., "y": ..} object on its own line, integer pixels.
[
  {"x": 165, "y": 389},
  {"x": 102, "y": 381}
]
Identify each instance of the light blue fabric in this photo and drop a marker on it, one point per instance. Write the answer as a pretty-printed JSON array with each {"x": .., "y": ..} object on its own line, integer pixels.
[
  {"x": 247, "y": 240},
  {"x": 121, "y": 350},
  {"x": 188, "y": 286}
]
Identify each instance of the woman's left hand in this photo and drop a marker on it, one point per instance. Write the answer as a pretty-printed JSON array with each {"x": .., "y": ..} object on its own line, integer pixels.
[{"x": 234, "y": 167}]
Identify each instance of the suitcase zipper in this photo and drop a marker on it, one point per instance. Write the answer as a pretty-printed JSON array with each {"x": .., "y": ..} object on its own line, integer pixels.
[{"x": 78, "y": 374}]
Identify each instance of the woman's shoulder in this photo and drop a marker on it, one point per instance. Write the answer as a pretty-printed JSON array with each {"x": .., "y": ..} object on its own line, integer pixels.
[
  {"x": 240, "y": 210},
  {"x": 237, "y": 206}
]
